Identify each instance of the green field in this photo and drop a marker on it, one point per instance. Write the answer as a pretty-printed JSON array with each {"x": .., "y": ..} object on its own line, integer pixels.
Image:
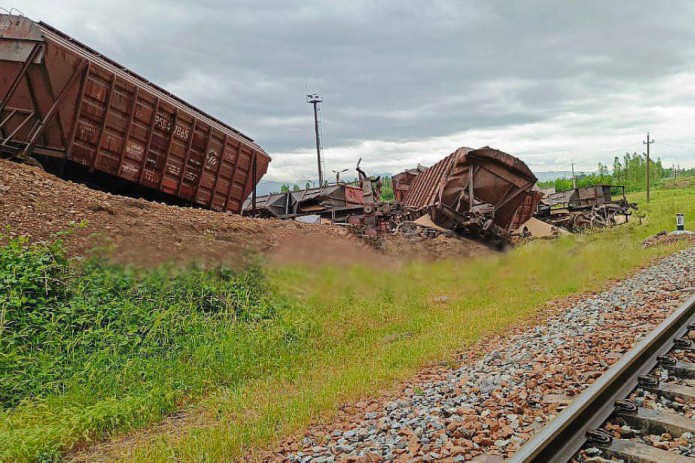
[{"x": 93, "y": 351}]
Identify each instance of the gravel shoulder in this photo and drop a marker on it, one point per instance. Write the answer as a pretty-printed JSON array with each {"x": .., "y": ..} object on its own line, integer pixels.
[{"x": 507, "y": 388}]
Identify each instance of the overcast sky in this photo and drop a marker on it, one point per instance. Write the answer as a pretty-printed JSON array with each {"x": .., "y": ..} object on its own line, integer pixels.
[{"x": 408, "y": 82}]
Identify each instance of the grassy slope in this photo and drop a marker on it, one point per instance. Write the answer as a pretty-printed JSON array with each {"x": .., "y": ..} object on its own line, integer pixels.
[
  {"x": 358, "y": 331},
  {"x": 683, "y": 182},
  {"x": 377, "y": 327}
]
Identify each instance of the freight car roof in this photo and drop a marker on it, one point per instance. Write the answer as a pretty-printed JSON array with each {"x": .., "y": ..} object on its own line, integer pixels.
[{"x": 92, "y": 55}]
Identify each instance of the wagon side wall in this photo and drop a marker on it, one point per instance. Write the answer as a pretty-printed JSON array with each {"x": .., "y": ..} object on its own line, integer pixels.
[{"x": 114, "y": 122}]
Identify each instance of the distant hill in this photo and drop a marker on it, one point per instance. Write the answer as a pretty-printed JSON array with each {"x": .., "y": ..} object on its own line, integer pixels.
[
  {"x": 268, "y": 186},
  {"x": 552, "y": 175}
]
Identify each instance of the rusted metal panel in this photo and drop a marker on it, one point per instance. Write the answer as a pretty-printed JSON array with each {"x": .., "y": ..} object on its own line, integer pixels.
[
  {"x": 401, "y": 182},
  {"x": 112, "y": 120},
  {"x": 424, "y": 188},
  {"x": 591, "y": 196},
  {"x": 526, "y": 210},
  {"x": 353, "y": 195}
]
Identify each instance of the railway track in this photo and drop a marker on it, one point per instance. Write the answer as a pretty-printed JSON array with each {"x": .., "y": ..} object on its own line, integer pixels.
[{"x": 640, "y": 410}]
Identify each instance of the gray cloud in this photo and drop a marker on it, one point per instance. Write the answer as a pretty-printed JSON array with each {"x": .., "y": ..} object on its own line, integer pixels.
[{"x": 397, "y": 74}]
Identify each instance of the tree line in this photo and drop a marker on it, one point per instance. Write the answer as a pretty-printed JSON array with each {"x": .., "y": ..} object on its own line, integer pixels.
[{"x": 630, "y": 171}]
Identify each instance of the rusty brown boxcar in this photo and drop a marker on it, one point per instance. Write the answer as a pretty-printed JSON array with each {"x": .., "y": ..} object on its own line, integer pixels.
[{"x": 61, "y": 99}]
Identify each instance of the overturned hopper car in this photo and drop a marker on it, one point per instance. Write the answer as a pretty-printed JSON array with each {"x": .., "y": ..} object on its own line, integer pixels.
[
  {"x": 85, "y": 116},
  {"x": 474, "y": 191}
]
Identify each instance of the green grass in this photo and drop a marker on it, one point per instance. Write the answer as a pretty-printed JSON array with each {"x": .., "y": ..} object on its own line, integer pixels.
[
  {"x": 334, "y": 334},
  {"x": 88, "y": 348}
]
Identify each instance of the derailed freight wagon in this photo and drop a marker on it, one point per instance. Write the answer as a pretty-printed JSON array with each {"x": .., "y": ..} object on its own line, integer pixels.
[
  {"x": 587, "y": 207},
  {"x": 476, "y": 192},
  {"x": 87, "y": 117},
  {"x": 334, "y": 202}
]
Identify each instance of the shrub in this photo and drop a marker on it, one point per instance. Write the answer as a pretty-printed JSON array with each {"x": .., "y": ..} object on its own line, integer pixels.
[{"x": 64, "y": 324}]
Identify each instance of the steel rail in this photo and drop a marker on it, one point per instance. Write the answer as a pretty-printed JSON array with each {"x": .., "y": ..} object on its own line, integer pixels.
[{"x": 564, "y": 436}]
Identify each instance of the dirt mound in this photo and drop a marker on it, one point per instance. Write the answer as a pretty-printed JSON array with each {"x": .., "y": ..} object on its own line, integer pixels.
[
  {"x": 142, "y": 232},
  {"x": 664, "y": 238},
  {"x": 130, "y": 230},
  {"x": 441, "y": 247}
]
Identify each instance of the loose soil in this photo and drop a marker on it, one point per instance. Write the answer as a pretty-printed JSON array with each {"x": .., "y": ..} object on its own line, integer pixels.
[{"x": 146, "y": 233}]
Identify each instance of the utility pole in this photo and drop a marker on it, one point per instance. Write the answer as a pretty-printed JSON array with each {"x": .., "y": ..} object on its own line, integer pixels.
[
  {"x": 315, "y": 99},
  {"x": 648, "y": 142},
  {"x": 574, "y": 179},
  {"x": 337, "y": 175}
]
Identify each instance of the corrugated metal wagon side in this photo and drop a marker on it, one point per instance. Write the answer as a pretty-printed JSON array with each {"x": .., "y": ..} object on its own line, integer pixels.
[{"x": 62, "y": 99}]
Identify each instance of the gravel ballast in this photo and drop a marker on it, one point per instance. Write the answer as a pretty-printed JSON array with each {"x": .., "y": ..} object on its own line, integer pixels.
[{"x": 493, "y": 405}]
